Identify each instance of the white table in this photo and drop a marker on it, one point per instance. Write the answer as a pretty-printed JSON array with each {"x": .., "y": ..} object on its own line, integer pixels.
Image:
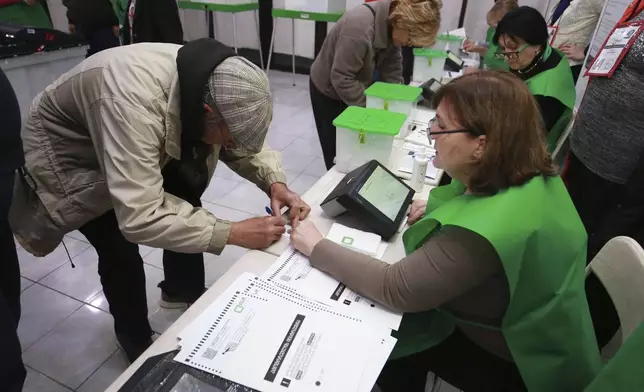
[
  {"x": 257, "y": 262},
  {"x": 253, "y": 261},
  {"x": 317, "y": 193}
]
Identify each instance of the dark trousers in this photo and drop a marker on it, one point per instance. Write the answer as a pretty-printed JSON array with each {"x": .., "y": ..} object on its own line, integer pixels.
[
  {"x": 407, "y": 63},
  {"x": 12, "y": 370},
  {"x": 325, "y": 110},
  {"x": 576, "y": 71},
  {"x": 100, "y": 39},
  {"x": 458, "y": 361},
  {"x": 607, "y": 210},
  {"x": 120, "y": 267}
]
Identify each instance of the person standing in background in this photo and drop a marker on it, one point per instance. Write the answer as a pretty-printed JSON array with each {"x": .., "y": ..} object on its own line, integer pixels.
[
  {"x": 576, "y": 22},
  {"x": 96, "y": 21},
  {"x": 488, "y": 49},
  {"x": 12, "y": 370},
  {"x": 152, "y": 21},
  {"x": 605, "y": 172},
  {"x": 366, "y": 39}
]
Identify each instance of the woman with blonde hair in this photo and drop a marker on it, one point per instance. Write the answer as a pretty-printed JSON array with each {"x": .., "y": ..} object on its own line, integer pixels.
[
  {"x": 492, "y": 287},
  {"x": 366, "y": 39}
]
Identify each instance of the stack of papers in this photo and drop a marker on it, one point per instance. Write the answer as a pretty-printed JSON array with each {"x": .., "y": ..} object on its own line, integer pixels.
[
  {"x": 294, "y": 329},
  {"x": 270, "y": 339}
]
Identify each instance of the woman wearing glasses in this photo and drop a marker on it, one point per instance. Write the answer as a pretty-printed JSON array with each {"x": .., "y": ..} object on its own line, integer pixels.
[
  {"x": 492, "y": 286},
  {"x": 522, "y": 38}
]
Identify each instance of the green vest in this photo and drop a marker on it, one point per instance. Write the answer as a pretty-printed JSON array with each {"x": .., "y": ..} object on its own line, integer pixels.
[
  {"x": 559, "y": 84},
  {"x": 22, "y": 14},
  {"x": 541, "y": 242},
  {"x": 489, "y": 60},
  {"x": 623, "y": 373}
]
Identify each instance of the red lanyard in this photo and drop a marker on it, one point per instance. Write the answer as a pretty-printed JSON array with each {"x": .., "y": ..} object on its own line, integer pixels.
[{"x": 632, "y": 11}]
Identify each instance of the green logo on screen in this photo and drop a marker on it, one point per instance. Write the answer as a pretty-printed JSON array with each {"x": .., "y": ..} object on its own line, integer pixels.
[{"x": 347, "y": 240}]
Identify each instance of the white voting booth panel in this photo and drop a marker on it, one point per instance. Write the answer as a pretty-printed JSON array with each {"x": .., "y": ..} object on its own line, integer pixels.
[
  {"x": 30, "y": 75},
  {"x": 321, "y": 6},
  {"x": 475, "y": 17}
]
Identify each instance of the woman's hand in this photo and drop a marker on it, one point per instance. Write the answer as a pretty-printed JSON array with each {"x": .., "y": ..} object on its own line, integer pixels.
[
  {"x": 573, "y": 52},
  {"x": 472, "y": 47},
  {"x": 417, "y": 211},
  {"x": 305, "y": 236}
]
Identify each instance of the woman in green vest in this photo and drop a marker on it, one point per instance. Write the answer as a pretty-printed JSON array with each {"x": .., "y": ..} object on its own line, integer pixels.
[
  {"x": 492, "y": 287},
  {"x": 25, "y": 12},
  {"x": 522, "y": 38},
  {"x": 488, "y": 49}
]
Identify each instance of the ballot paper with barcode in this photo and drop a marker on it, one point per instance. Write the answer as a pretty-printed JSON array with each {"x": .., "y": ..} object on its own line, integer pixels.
[
  {"x": 272, "y": 343},
  {"x": 294, "y": 272}
]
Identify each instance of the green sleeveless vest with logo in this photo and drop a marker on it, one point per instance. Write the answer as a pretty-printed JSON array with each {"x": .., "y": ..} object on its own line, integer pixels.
[
  {"x": 541, "y": 242},
  {"x": 489, "y": 60},
  {"x": 557, "y": 83}
]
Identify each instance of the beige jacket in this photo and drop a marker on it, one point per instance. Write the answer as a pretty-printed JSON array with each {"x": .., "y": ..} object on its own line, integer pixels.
[
  {"x": 577, "y": 24},
  {"x": 97, "y": 139},
  {"x": 357, "y": 46}
]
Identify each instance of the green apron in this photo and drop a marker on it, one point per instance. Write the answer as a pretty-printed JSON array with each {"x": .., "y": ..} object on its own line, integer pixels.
[
  {"x": 489, "y": 60},
  {"x": 541, "y": 242},
  {"x": 559, "y": 84},
  {"x": 22, "y": 14},
  {"x": 623, "y": 373}
]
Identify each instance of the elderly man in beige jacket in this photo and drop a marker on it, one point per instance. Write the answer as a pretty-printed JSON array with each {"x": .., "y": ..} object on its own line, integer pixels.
[{"x": 122, "y": 147}]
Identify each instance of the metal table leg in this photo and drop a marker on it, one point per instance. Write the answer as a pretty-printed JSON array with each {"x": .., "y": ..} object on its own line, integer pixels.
[
  {"x": 270, "y": 47},
  {"x": 293, "y": 48},
  {"x": 234, "y": 33},
  {"x": 259, "y": 39}
]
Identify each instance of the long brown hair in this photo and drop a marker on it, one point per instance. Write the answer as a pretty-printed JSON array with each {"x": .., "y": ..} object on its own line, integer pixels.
[{"x": 500, "y": 106}]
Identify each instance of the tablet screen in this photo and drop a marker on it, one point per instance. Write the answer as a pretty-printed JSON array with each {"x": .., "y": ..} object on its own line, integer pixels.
[
  {"x": 457, "y": 60},
  {"x": 384, "y": 192}
]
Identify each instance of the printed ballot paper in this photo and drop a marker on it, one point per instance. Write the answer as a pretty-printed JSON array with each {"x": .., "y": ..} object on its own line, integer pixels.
[
  {"x": 292, "y": 271},
  {"x": 270, "y": 339}
]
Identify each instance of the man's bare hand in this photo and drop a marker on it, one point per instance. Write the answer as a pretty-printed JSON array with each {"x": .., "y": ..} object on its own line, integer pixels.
[{"x": 257, "y": 233}]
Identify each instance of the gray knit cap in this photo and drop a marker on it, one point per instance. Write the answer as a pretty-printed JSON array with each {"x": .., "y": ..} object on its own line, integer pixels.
[{"x": 240, "y": 91}]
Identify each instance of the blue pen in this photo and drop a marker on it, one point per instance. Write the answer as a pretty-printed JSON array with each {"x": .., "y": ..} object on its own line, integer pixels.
[{"x": 268, "y": 210}]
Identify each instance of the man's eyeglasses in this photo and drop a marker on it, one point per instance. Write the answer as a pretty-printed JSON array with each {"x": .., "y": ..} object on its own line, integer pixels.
[
  {"x": 510, "y": 55},
  {"x": 434, "y": 133}
]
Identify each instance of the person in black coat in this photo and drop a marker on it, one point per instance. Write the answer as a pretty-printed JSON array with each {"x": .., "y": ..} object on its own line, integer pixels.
[
  {"x": 12, "y": 370},
  {"x": 96, "y": 21},
  {"x": 152, "y": 21}
]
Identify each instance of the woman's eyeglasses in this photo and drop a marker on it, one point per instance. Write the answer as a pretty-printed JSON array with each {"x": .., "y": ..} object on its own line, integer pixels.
[
  {"x": 510, "y": 55},
  {"x": 434, "y": 133}
]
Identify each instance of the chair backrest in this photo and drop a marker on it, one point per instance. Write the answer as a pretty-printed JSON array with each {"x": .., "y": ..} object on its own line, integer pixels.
[{"x": 619, "y": 266}]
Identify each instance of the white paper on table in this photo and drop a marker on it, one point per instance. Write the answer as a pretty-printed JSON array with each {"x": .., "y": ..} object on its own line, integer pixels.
[
  {"x": 357, "y": 240},
  {"x": 271, "y": 345},
  {"x": 406, "y": 165},
  {"x": 377, "y": 361},
  {"x": 293, "y": 271},
  {"x": 249, "y": 284}
]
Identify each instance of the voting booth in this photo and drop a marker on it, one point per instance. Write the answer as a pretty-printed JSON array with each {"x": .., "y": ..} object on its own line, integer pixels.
[
  {"x": 448, "y": 42},
  {"x": 393, "y": 97},
  {"x": 363, "y": 134},
  {"x": 428, "y": 64},
  {"x": 318, "y": 6}
]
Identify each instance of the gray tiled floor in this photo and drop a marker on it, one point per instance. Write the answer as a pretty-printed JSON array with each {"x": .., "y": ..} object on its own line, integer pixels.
[{"x": 66, "y": 331}]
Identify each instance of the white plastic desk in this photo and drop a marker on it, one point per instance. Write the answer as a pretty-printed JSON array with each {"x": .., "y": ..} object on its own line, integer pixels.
[{"x": 256, "y": 262}]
